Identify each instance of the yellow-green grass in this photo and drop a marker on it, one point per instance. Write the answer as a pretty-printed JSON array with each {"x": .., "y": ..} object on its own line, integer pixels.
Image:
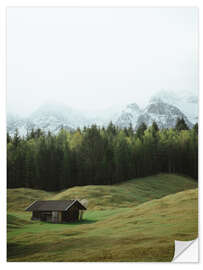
[
  {"x": 14, "y": 221},
  {"x": 103, "y": 197},
  {"x": 125, "y": 222},
  {"x": 130, "y": 193},
  {"x": 19, "y": 198},
  {"x": 138, "y": 233}
]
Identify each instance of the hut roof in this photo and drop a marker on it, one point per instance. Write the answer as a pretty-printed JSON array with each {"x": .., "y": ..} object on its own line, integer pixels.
[{"x": 59, "y": 205}]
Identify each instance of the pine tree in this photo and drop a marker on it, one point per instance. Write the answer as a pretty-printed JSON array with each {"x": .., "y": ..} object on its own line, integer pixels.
[
  {"x": 16, "y": 138},
  {"x": 99, "y": 155},
  {"x": 140, "y": 131},
  {"x": 196, "y": 128},
  {"x": 180, "y": 124},
  {"x": 9, "y": 139}
]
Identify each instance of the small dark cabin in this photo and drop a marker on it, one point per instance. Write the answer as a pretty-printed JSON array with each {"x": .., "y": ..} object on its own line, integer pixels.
[{"x": 56, "y": 211}]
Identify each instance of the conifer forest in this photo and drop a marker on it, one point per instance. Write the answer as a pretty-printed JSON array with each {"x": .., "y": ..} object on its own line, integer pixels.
[{"x": 99, "y": 156}]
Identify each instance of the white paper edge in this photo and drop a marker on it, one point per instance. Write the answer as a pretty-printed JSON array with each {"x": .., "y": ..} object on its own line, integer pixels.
[{"x": 186, "y": 251}]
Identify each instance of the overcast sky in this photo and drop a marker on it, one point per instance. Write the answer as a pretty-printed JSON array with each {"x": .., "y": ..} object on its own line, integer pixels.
[{"x": 95, "y": 58}]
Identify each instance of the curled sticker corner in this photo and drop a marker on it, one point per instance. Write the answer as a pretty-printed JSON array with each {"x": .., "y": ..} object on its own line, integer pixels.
[{"x": 181, "y": 247}]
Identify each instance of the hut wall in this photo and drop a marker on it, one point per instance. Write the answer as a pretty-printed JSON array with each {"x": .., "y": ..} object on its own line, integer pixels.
[
  {"x": 35, "y": 215},
  {"x": 59, "y": 217},
  {"x": 54, "y": 216},
  {"x": 71, "y": 215},
  {"x": 46, "y": 216}
]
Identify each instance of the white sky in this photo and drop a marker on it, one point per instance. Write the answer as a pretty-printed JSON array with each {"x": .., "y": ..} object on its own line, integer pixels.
[{"x": 95, "y": 58}]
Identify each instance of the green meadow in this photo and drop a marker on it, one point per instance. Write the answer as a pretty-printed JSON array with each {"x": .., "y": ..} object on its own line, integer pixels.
[{"x": 137, "y": 220}]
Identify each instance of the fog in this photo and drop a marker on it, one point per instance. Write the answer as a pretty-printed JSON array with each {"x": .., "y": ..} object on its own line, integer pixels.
[{"x": 96, "y": 58}]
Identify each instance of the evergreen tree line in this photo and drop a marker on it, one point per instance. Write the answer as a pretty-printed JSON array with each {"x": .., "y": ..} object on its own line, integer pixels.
[{"x": 99, "y": 156}]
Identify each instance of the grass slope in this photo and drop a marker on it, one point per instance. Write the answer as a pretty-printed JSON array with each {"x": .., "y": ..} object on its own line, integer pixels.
[
  {"x": 136, "y": 226},
  {"x": 127, "y": 194},
  {"x": 19, "y": 198},
  {"x": 143, "y": 233},
  {"x": 14, "y": 222},
  {"x": 130, "y": 193}
]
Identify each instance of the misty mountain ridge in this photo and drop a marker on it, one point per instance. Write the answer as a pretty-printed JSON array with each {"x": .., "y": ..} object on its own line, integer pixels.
[
  {"x": 164, "y": 108},
  {"x": 185, "y": 101},
  {"x": 128, "y": 116},
  {"x": 165, "y": 115}
]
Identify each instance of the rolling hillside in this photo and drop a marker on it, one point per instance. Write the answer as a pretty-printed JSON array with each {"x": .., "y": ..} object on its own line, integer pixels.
[
  {"x": 19, "y": 198},
  {"x": 139, "y": 221},
  {"x": 126, "y": 194}
]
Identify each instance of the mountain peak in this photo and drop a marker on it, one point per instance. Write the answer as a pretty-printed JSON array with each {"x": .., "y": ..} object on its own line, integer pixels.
[
  {"x": 133, "y": 107},
  {"x": 164, "y": 108},
  {"x": 165, "y": 115}
]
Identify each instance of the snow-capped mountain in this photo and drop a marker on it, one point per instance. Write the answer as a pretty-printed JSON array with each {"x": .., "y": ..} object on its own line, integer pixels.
[
  {"x": 164, "y": 108},
  {"x": 185, "y": 101},
  {"x": 163, "y": 114},
  {"x": 51, "y": 117},
  {"x": 128, "y": 116},
  {"x": 16, "y": 122}
]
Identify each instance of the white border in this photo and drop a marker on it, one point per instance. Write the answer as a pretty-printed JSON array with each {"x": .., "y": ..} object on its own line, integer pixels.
[
  {"x": 77, "y": 3},
  {"x": 187, "y": 251}
]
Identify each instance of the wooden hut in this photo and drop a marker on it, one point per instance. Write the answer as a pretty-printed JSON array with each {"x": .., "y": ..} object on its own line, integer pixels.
[{"x": 56, "y": 211}]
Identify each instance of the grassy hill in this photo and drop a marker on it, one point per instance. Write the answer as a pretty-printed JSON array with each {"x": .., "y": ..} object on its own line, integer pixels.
[
  {"x": 127, "y": 194},
  {"x": 139, "y": 221},
  {"x": 19, "y": 198}
]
